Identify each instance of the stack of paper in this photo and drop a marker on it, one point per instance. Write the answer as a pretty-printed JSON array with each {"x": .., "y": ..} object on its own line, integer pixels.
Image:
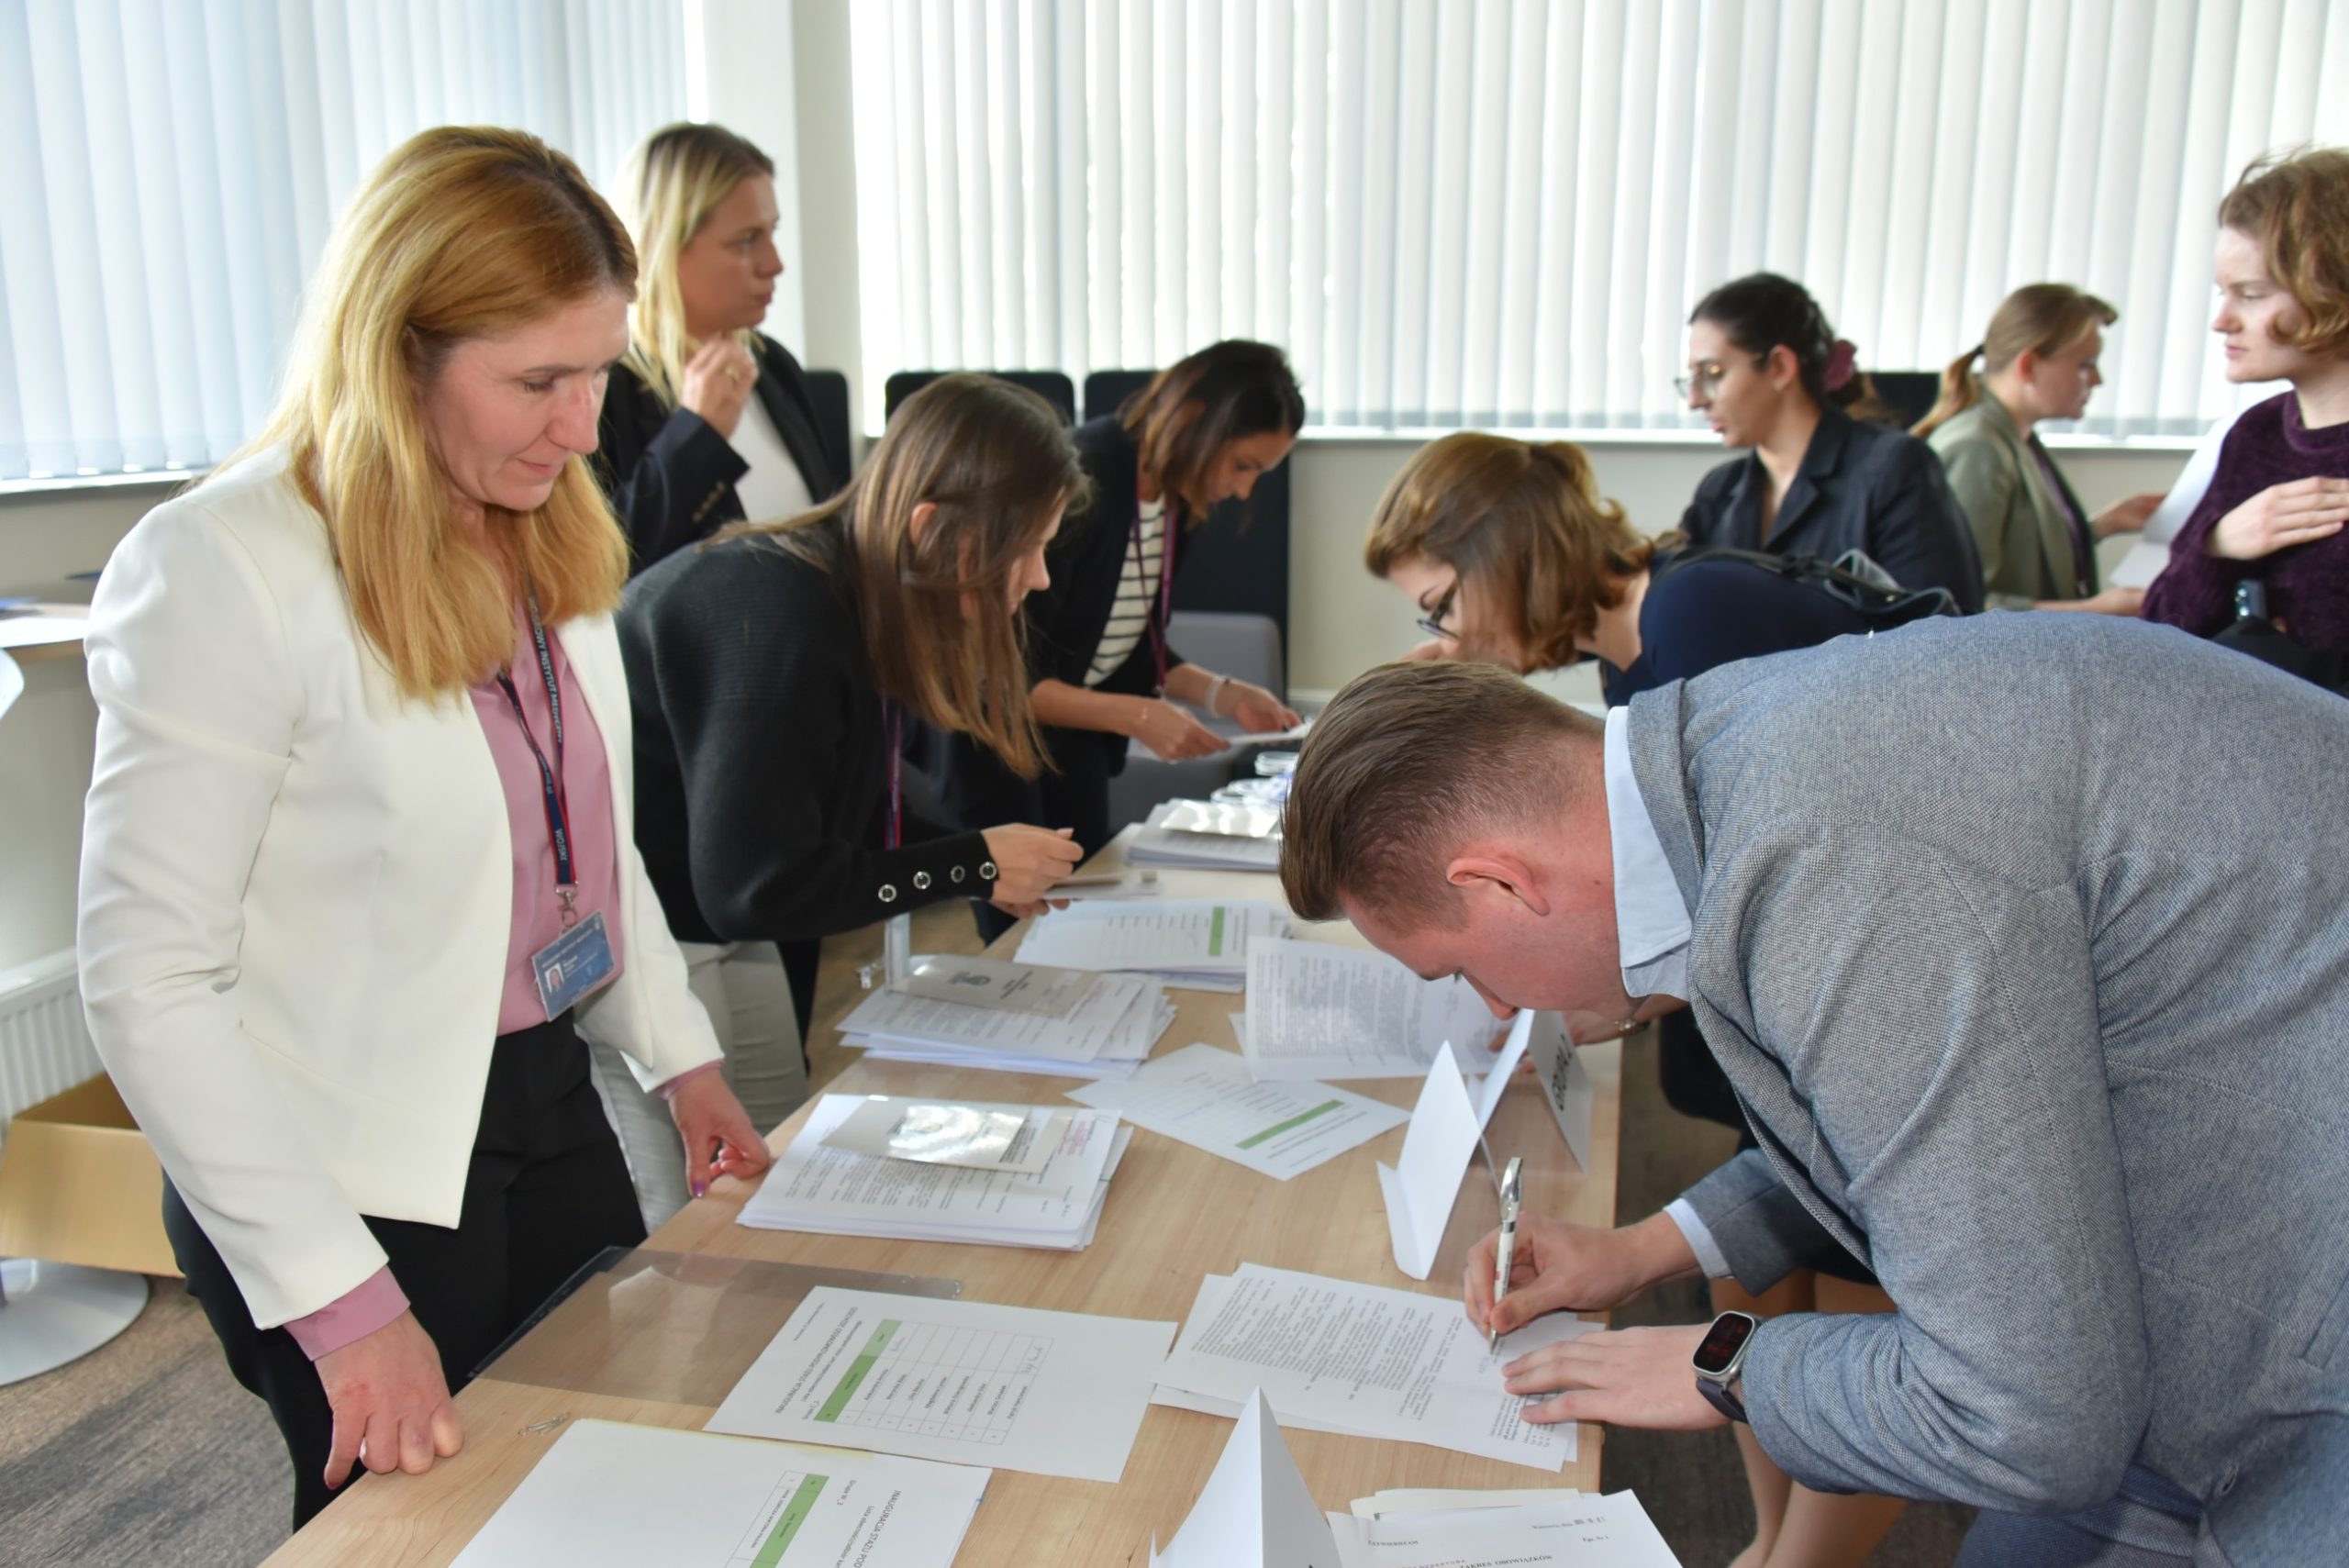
[
  {"x": 608, "y": 1495},
  {"x": 1334, "y": 1356},
  {"x": 1391, "y": 1501},
  {"x": 1200, "y": 944},
  {"x": 1019, "y": 1018},
  {"x": 967, "y": 1382},
  {"x": 830, "y": 1191},
  {"x": 1157, "y": 843},
  {"x": 1586, "y": 1531},
  {"x": 1318, "y": 1011}
]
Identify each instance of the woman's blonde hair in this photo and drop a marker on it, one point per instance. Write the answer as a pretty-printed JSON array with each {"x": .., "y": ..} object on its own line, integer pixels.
[
  {"x": 462, "y": 232},
  {"x": 941, "y": 637},
  {"x": 2297, "y": 207},
  {"x": 667, "y": 191},
  {"x": 1526, "y": 531},
  {"x": 2037, "y": 318}
]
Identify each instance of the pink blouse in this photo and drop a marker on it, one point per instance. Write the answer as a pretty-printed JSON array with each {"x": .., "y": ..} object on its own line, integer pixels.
[{"x": 538, "y": 912}]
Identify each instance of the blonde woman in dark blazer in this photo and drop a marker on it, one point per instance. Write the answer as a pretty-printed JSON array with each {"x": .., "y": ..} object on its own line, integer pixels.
[{"x": 2037, "y": 542}]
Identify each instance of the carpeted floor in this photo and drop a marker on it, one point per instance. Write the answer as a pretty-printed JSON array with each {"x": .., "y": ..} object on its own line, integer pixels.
[{"x": 147, "y": 1451}]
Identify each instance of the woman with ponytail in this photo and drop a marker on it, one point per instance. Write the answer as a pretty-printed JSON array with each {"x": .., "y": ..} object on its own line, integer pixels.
[
  {"x": 2039, "y": 362},
  {"x": 1769, "y": 370}
]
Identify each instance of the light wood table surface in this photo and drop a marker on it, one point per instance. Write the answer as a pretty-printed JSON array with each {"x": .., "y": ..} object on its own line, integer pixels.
[{"x": 1175, "y": 1213}]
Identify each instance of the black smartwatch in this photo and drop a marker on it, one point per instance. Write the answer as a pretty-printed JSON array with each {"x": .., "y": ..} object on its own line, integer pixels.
[{"x": 1722, "y": 1358}]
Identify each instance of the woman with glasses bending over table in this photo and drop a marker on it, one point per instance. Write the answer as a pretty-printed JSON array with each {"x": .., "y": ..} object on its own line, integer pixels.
[{"x": 357, "y": 875}]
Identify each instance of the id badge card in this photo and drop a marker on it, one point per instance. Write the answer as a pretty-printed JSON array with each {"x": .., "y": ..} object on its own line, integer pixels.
[{"x": 573, "y": 966}]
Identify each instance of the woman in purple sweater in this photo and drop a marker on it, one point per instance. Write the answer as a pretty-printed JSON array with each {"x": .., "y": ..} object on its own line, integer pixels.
[{"x": 2276, "y": 504}]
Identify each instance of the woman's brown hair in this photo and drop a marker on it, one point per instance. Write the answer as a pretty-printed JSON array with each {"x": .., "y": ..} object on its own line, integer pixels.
[
  {"x": 462, "y": 232},
  {"x": 940, "y": 635},
  {"x": 1526, "y": 530},
  {"x": 2297, "y": 207},
  {"x": 1201, "y": 404},
  {"x": 2037, "y": 318}
]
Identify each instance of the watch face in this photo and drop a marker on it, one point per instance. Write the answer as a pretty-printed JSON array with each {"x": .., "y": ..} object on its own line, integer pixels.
[{"x": 1723, "y": 1340}]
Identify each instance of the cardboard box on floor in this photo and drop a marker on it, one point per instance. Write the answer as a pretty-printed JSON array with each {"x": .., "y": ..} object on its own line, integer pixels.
[{"x": 79, "y": 1184}]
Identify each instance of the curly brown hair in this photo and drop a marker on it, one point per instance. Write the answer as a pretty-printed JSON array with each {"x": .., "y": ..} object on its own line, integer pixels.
[{"x": 2297, "y": 207}]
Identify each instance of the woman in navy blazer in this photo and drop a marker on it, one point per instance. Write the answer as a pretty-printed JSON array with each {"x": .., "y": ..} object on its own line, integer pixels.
[
  {"x": 1769, "y": 371},
  {"x": 1514, "y": 557}
]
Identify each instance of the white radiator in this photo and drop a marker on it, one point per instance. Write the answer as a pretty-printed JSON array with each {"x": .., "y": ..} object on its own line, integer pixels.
[{"x": 44, "y": 1046}]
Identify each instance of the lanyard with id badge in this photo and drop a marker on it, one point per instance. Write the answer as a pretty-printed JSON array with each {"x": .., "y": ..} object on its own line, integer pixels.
[{"x": 577, "y": 963}]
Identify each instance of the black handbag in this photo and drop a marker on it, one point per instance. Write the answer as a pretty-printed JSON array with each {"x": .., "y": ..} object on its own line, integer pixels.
[
  {"x": 2254, "y": 633},
  {"x": 1851, "y": 580}
]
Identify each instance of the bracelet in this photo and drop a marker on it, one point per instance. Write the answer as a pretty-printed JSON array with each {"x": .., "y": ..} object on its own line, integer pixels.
[{"x": 1214, "y": 692}]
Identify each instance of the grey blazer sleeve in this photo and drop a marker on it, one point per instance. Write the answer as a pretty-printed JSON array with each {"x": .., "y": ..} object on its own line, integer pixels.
[
  {"x": 1762, "y": 1229},
  {"x": 1941, "y": 1028}
]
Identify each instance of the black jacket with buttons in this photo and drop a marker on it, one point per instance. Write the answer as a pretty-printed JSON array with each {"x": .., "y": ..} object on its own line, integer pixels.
[
  {"x": 1860, "y": 487},
  {"x": 671, "y": 475},
  {"x": 761, "y": 755}
]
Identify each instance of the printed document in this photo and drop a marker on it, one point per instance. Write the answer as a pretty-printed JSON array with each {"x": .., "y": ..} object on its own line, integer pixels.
[
  {"x": 827, "y": 1191},
  {"x": 967, "y": 1382},
  {"x": 1612, "y": 1531},
  {"x": 1331, "y": 1356},
  {"x": 1198, "y": 943},
  {"x": 608, "y": 1495},
  {"x": 1318, "y": 1011},
  {"x": 1206, "y": 1098}
]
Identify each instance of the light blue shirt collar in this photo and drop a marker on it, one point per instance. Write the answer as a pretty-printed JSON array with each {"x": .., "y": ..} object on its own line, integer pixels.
[{"x": 1652, "y": 926}]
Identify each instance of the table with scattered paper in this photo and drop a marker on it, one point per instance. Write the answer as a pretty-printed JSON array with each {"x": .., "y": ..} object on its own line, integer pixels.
[{"x": 663, "y": 1347}]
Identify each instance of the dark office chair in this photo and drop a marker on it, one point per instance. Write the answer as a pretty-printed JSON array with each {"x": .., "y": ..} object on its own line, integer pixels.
[
  {"x": 1905, "y": 396},
  {"x": 829, "y": 391},
  {"x": 1237, "y": 561},
  {"x": 1051, "y": 385}
]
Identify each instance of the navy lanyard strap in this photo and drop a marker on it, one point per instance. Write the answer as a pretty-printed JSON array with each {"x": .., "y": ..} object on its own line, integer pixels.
[
  {"x": 558, "y": 806},
  {"x": 1157, "y": 626},
  {"x": 892, "y": 827}
]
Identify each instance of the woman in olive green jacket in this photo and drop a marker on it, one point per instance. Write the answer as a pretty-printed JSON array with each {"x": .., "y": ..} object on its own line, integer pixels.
[{"x": 2037, "y": 543}]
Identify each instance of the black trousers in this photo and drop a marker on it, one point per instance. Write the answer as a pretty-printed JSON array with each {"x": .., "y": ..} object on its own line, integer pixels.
[{"x": 547, "y": 1191}]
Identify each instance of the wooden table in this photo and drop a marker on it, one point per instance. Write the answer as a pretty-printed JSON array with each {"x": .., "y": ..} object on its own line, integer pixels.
[{"x": 1175, "y": 1213}]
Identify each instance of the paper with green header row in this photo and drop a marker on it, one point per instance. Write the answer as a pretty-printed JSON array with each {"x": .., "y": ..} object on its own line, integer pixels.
[
  {"x": 1206, "y": 1098},
  {"x": 608, "y": 1495},
  {"x": 968, "y": 1382}
]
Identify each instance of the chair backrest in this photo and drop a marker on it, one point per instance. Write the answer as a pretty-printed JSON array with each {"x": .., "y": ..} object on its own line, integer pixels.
[
  {"x": 1235, "y": 562},
  {"x": 1052, "y": 386},
  {"x": 1245, "y": 647},
  {"x": 1907, "y": 396},
  {"x": 827, "y": 390}
]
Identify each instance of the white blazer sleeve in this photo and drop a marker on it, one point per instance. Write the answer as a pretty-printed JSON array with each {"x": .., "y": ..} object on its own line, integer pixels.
[{"x": 200, "y": 699}]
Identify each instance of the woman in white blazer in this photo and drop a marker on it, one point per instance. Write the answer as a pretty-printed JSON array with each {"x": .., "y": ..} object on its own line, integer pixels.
[{"x": 358, "y": 872}]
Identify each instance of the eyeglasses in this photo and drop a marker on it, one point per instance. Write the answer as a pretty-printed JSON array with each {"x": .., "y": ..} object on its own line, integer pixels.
[
  {"x": 1432, "y": 622},
  {"x": 1705, "y": 378}
]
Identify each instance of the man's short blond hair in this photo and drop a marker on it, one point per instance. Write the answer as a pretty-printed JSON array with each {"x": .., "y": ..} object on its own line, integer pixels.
[{"x": 1403, "y": 764}]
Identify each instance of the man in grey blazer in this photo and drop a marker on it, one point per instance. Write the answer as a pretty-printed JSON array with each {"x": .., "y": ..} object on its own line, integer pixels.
[{"x": 2025, "y": 942}]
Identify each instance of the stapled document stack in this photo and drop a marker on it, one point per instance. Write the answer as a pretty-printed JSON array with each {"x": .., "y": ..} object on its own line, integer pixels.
[
  {"x": 1207, "y": 837},
  {"x": 1198, "y": 944},
  {"x": 1015, "y": 1017},
  {"x": 831, "y": 1191}
]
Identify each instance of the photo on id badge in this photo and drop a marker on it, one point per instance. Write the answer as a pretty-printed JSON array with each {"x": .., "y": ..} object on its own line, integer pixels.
[{"x": 573, "y": 966}]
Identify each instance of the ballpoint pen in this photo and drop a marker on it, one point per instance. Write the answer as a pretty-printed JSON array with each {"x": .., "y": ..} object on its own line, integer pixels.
[{"x": 1510, "y": 1195}]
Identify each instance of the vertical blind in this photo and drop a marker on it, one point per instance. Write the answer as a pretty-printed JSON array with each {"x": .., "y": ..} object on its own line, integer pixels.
[
  {"x": 1500, "y": 212},
  {"x": 169, "y": 171}
]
